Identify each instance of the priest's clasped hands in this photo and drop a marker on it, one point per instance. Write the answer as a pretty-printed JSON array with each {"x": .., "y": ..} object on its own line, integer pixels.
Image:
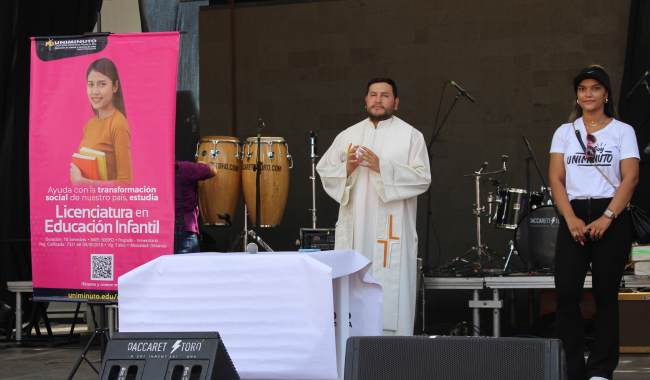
[{"x": 357, "y": 156}]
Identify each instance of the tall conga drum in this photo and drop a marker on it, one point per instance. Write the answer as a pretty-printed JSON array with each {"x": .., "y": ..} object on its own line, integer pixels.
[
  {"x": 220, "y": 194},
  {"x": 274, "y": 178}
]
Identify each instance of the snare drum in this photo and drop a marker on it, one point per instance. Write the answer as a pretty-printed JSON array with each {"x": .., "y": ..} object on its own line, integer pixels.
[
  {"x": 220, "y": 194},
  {"x": 274, "y": 178}
]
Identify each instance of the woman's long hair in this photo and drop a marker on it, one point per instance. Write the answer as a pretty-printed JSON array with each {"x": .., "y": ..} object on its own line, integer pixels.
[
  {"x": 107, "y": 67},
  {"x": 610, "y": 108}
]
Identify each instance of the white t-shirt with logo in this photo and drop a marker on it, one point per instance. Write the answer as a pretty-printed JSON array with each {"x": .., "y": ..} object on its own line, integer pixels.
[{"x": 614, "y": 143}]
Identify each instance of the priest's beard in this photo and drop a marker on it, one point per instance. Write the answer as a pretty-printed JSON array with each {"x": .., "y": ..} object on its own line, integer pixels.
[{"x": 387, "y": 114}]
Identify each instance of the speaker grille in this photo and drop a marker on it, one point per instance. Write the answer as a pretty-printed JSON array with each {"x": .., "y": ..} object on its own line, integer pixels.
[{"x": 451, "y": 358}]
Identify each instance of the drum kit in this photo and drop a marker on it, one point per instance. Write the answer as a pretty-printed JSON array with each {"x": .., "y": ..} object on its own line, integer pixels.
[
  {"x": 237, "y": 164},
  {"x": 535, "y": 225}
]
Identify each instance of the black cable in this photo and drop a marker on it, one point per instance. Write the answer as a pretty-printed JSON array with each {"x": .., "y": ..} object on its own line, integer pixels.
[
  {"x": 474, "y": 328},
  {"x": 437, "y": 241},
  {"x": 435, "y": 132},
  {"x": 435, "y": 125}
]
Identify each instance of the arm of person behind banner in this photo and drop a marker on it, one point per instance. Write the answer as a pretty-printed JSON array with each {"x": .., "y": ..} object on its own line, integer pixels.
[
  {"x": 334, "y": 176},
  {"x": 403, "y": 181},
  {"x": 207, "y": 170}
]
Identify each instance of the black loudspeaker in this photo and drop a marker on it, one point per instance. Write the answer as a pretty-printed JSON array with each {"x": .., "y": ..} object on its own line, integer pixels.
[
  {"x": 167, "y": 356},
  {"x": 454, "y": 358}
]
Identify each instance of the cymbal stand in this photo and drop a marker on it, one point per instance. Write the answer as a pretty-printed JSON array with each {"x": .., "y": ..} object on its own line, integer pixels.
[{"x": 481, "y": 249}]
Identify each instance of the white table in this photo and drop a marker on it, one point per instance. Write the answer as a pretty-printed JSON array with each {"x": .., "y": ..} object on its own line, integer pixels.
[
  {"x": 19, "y": 287},
  {"x": 274, "y": 309},
  {"x": 508, "y": 282}
]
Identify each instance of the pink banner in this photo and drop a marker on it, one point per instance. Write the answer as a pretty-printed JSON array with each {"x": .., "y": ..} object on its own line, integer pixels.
[{"x": 101, "y": 159}]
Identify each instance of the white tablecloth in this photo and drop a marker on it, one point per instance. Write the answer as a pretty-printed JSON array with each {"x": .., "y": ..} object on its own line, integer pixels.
[{"x": 274, "y": 310}]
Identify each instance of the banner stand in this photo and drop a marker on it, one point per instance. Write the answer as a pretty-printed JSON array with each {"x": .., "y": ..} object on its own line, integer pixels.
[{"x": 100, "y": 333}]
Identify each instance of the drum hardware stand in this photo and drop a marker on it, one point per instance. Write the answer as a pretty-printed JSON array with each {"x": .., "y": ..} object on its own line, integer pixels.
[
  {"x": 314, "y": 156},
  {"x": 226, "y": 217},
  {"x": 496, "y": 198},
  {"x": 512, "y": 249},
  {"x": 243, "y": 235},
  {"x": 100, "y": 333},
  {"x": 530, "y": 265},
  {"x": 258, "y": 169},
  {"x": 480, "y": 248},
  {"x": 490, "y": 200},
  {"x": 434, "y": 135}
]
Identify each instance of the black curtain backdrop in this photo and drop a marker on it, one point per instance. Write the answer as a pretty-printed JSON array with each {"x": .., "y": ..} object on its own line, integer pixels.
[
  {"x": 20, "y": 20},
  {"x": 635, "y": 110},
  {"x": 172, "y": 15}
]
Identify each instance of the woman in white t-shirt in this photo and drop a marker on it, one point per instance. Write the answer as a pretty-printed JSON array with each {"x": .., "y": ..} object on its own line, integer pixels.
[{"x": 595, "y": 228}]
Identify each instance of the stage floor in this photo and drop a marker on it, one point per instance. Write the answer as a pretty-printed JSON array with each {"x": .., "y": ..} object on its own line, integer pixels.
[{"x": 43, "y": 363}]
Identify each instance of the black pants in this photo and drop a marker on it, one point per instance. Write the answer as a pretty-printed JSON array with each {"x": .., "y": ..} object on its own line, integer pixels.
[{"x": 608, "y": 257}]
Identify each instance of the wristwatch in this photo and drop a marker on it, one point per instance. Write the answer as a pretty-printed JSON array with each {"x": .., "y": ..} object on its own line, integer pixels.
[{"x": 610, "y": 214}]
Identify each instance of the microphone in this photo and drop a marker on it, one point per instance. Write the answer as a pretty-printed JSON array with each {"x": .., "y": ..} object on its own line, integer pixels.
[
  {"x": 190, "y": 119},
  {"x": 634, "y": 88},
  {"x": 260, "y": 125},
  {"x": 485, "y": 164},
  {"x": 463, "y": 92},
  {"x": 251, "y": 248},
  {"x": 313, "y": 137}
]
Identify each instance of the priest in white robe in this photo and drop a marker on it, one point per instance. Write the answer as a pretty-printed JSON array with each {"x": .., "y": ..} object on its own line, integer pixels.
[{"x": 375, "y": 170}]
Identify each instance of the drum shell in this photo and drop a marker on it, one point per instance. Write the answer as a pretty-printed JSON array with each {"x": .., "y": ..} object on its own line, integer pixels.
[
  {"x": 274, "y": 179},
  {"x": 220, "y": 194},
  {"x": 507, "y": 213},
  {"x": 536, "y": 198},
  {"x": 545, "y": 224}
]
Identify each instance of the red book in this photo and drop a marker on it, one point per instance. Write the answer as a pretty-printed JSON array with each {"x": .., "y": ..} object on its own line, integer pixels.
[{"x": 87, "y": 165}]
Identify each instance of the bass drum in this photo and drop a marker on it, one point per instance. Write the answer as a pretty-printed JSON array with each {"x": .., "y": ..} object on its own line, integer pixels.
[
  {"x": 545, "y": 224},
  {"x": 220, "y": 194},
  {"x": 274, "y": 178}
]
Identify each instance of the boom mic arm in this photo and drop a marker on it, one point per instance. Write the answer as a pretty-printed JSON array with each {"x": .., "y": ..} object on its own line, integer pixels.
[
  {"x": 638, "y": 83},
  {"x": 463, "y": 92}
]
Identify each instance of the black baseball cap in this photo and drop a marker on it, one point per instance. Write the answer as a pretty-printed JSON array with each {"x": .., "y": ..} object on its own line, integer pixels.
[{"x": 592, "y": 73}]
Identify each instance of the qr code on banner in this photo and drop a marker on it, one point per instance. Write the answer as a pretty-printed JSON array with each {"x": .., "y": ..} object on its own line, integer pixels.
[{"x": 101, "y": 267}]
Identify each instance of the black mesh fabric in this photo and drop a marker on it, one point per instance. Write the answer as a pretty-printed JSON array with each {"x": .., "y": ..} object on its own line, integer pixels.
[
  {"x": 452, "y": 358},
  {"x": 224, "y": 365}
]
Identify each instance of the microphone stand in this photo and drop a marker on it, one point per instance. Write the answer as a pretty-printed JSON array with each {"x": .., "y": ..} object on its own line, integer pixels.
[
  {"x": 314, "y": 156},
  {"x": 258, "y": 213},
  {"x": 434, "y": 135},
  {"x": 254, "y": 232},
  {"x": 643, "y": 83},
  {"x": 530, "y": 265}
]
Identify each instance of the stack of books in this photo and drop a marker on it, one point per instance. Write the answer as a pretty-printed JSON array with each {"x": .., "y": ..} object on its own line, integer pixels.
[{"x": 92, "y": 163}]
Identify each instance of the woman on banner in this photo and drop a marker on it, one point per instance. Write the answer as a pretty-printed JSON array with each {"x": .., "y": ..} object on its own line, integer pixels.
[
  {"x": 108, "y": 132},
  {"x": 594, "y": 169}
]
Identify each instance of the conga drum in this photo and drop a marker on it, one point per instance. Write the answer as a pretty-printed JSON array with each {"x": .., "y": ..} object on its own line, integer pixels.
[
  {"x": 274, "y": 178},
  {"x": 220, "y": 194}
]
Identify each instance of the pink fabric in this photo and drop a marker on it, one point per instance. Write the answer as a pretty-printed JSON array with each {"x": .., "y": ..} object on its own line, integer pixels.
[{"x": 59, "y": 109}]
